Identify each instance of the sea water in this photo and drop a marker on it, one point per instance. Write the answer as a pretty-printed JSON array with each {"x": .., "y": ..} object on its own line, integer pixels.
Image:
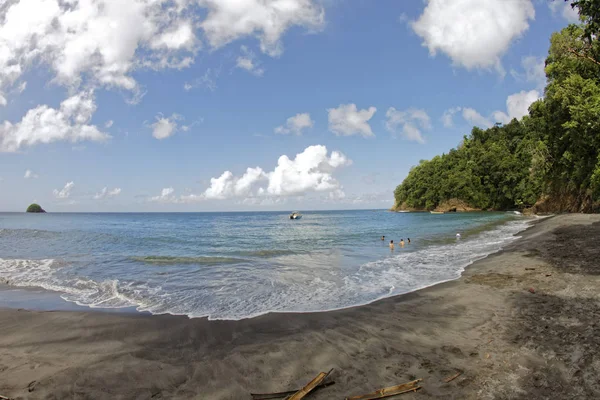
[{"x": 240, "y": 265}]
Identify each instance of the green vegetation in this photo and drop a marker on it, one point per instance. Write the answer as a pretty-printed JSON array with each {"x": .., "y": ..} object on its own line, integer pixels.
[
  {"x": 35, "y": 208},
  {"x": 549, "y": 160}
]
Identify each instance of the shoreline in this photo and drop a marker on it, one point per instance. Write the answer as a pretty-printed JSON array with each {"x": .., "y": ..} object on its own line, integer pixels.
[
  {"x": 480, "y": 325},
  {"x": 39, "y": 298}
]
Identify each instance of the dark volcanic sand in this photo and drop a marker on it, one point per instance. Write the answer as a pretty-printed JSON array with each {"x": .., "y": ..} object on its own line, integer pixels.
[{"x": 508, "y": 343}]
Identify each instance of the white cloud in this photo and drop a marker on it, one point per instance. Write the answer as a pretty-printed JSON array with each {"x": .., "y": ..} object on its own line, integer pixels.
[
  {"x": 106, "y": 194},
  {"x": 109, "y": 124},
  {"x": 267, "y": 20},
  {"x": 474, "y": 118},
  {"x": 46, "y": 125},
  {"x": 473, "y": 33},
  {"x": 517, "y": 106},
  {"x": 248, "y": 62},
  {"x": 65, "y": 192},
  {"x": 166, "y": 196},
  {"x": 3, "y": 101},
  {"x": 178, "y": 37},
  {"x": 100, "y": 41},
  {"x": 411, "y": 120},
  {"x": 165, "y": 127},
  {"x": 448, "y": 116},
  {"x": 103, "y": 42},
  {"x": 566, "y": 11},
  {"x": 310, "y": 171},
  {"x": 227, "y": 186},
  {"x": 296, "y": 124},
  {"x": 347, "y": 120},
  {"x": 29, "y": 174}
]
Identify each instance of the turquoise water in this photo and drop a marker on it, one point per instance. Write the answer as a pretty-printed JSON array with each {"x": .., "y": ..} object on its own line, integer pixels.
[{"x": 239, "y": 265}]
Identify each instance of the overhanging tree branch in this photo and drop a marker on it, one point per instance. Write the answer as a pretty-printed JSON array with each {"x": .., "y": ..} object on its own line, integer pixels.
[{"x": 577, "y": 54}]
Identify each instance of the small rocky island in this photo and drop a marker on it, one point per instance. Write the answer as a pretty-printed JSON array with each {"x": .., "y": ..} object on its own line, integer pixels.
[{"x": 35, "y": 208}]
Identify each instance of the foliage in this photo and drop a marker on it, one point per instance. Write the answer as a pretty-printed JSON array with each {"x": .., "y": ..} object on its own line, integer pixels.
[
  {"x": 552, "y": 153},
  {"x": 35, "y": 208}
]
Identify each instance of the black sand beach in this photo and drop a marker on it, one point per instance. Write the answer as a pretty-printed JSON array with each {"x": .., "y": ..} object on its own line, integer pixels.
[{"x": 506, "y": 342}]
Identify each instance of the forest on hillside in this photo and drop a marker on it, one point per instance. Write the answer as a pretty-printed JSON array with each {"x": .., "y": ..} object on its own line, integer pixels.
[{"x": 549, "y": 161}]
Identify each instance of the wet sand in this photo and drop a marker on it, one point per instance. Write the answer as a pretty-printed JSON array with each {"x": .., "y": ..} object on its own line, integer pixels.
[{"x": 506, "y": 342}]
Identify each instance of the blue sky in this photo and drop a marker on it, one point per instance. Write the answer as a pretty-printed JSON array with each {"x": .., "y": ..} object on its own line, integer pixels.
[{"x": 166, "y": 105}]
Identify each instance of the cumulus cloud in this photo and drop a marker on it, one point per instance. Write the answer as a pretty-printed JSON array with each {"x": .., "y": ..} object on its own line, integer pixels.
[
  {"x": 249, "y": 62},
  {"x": 565, "y": 10},
  {"x": 29, "y": 174},
  {"x": 474, "y": 118},
  {"x": 267, "y": 20},
  {"x": 296, "y": 124},
  {"x": 103, "y": 41},
  {"x": 65, "y": 192},
  {"x": 473, "y": 33},
  {"x": 310, "y": 171},
  {"x": 228, "y": 186},
  {"x": 109, "y": 124},
  {"x": 165, "y": 127},
  {"x": 448, "y": 116},
  {"x": 166, "y": 196},
  {"x": 411, "y": 121},
  {"x": 347, "y": 120},
  {"x": 107, "y": 194},
  {"x": 517, "y": 106},
  {"x": 46, "y": 125}
]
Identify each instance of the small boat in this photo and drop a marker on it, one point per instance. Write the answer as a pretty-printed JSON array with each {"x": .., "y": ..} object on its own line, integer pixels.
[
  {"x": 295, "y": 215},
  {"x": 436, "y": 212}
]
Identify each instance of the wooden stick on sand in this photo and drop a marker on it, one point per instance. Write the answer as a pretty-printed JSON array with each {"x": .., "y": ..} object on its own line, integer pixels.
[
  {"x": 300, "y": 394},
  {"x": 389, "y": 391},
  {"x": 278, "y": 395},
  {"x": 453, "y": 377}
]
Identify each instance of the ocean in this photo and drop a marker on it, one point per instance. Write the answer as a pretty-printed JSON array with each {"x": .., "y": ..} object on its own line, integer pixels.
[{"x": 240, "y": 265}]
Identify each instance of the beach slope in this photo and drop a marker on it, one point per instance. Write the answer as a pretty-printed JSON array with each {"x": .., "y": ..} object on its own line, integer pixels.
[{"x": 522, "y": 323}]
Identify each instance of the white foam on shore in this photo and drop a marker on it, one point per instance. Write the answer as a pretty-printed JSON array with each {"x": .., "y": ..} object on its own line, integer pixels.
[
  {"x": 43, "y": 274},
  {"x": 302, "y": 283}
]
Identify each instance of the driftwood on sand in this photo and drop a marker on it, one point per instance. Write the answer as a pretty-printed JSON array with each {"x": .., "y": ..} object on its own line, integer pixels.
[
  {"x": 310, "y": 386},
  {"x": 389, "y": 391},
  {"x": 278, "y": 395},
  {"x": 453, "y": 377}
]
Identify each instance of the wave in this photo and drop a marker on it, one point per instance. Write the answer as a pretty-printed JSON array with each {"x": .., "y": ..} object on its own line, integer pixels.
[
  {"x": 266, "y": 253},
  {"x": 45, "y": 274},
  {"x": 172, "y": 260},
  {"x": 236, "y": 292},
  {"x": 28, "y": 233}
]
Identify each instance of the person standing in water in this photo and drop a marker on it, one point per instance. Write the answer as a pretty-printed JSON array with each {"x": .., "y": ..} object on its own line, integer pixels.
[
  {"x": 408, "y": 240},
  {"x": 401, "y": 242},
  {"x": 382, "y": 238},
  {"x": 391, "y": 245}
]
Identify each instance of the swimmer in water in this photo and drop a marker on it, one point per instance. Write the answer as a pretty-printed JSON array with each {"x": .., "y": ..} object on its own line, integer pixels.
[
  {"x": 391, "y": 245},
  {"x": 408, "y": 240},
  {"x": 382, "y": 238},
  {"x": 401, "y": 242}
]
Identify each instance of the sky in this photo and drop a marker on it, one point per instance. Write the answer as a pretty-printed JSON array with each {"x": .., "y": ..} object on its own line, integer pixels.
[{"x": 236, "y": 105}]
